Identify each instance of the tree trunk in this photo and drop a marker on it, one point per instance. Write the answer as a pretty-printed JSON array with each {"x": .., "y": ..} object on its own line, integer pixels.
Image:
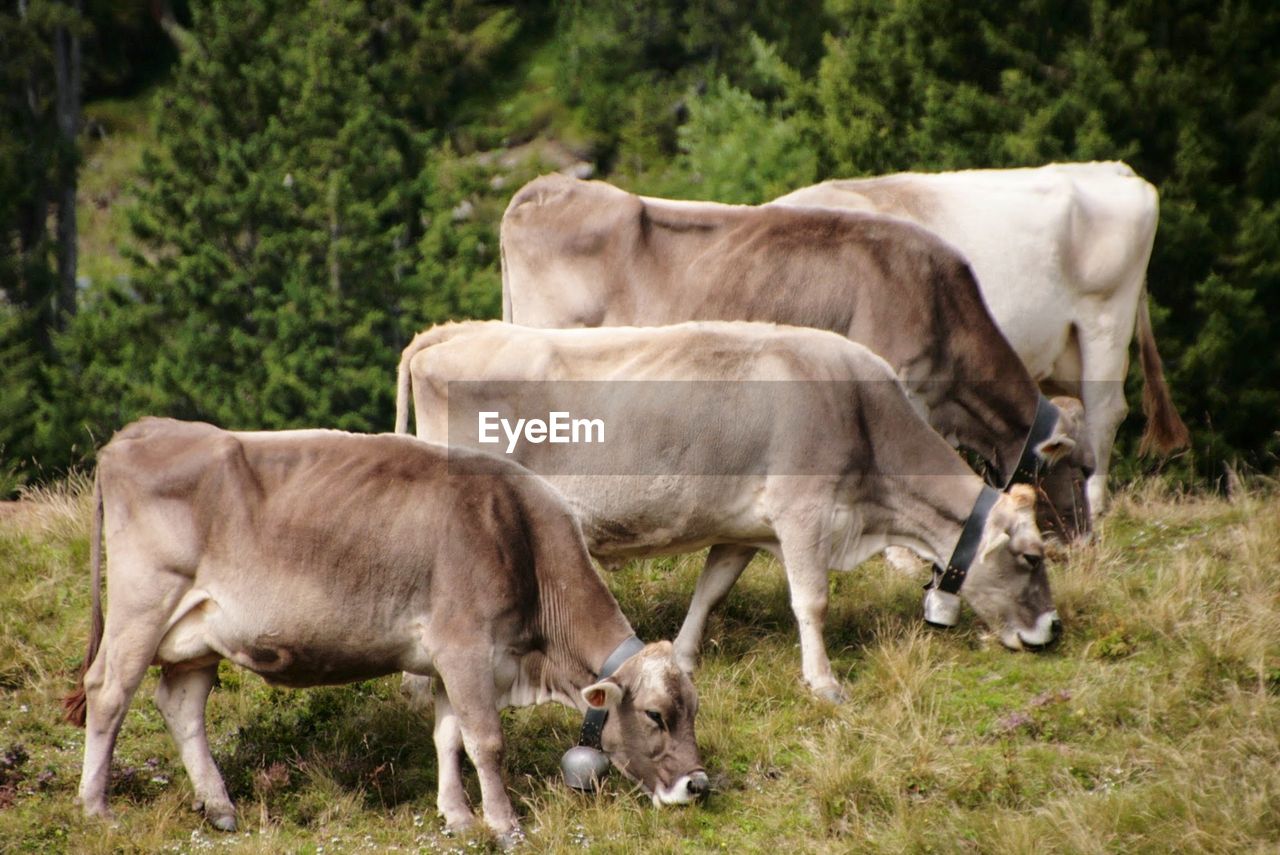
[
  {"x": 31, "y": 291},
  {"x": 66, "y": 42}
]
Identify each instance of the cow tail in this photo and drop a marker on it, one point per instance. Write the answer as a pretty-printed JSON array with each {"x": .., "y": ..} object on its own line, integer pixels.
[
  {"x": 73, "y": 705},
  {"x": 403, "y": 383},
  {"x": 1165, "y": 429},
  {"x": 506, "y": 280}
]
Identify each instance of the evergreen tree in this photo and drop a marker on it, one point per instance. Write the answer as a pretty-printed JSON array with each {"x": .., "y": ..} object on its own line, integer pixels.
[
  {"x": 39, "y": 118},
  {"x": 735, "y": 147},
  {"x": 280, "y": 220},
  {"x": 329, "y": 176},
  {"x": 1185, "y": 93}
]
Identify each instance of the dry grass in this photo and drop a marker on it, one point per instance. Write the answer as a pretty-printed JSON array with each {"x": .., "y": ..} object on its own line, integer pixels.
[{"x": 1154, "y": 726}]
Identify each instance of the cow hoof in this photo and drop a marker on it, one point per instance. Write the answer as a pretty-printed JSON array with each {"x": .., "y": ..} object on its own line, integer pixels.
[
  {"x": 224, "y": 820},
  {"x": 833, "y": 694}
]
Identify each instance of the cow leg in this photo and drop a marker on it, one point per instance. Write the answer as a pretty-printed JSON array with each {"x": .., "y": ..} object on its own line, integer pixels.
[
  {"x": 807, "y": 577},
  {"x": 451, "y": 798},
  {"x": 725, "y": 563},
  {"x": 181, "y": 697},
  {"x": 1102, "y": 394},
  {"x": 474, "y": 699},
  {"x": 128, "y": 646}
]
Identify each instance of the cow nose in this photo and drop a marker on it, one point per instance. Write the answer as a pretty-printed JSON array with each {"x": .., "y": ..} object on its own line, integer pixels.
[
  {"x": 1055, "y": 628},
  {"x": 698, "y": 785}
]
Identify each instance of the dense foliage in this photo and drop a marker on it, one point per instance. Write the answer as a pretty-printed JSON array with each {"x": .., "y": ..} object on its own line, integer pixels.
[{"x": 328, "y": 176}]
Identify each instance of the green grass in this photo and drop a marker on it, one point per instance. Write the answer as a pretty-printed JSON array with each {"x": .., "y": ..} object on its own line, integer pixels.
[{"x": 1154, "y": 726}]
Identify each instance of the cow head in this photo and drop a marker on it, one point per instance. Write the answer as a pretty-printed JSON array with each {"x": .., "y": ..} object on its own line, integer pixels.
[
  {"x": 1007, "y": 584},
  {"x": 1062, "y": 509},
  {"x": 649, "y": 733}
]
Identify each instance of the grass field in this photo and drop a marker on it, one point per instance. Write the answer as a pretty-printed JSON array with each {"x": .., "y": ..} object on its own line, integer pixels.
[{"x": 1154, "y": 726}]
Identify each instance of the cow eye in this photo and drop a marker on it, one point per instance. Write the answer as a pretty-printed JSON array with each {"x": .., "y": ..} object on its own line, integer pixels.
[{"x": 656, "y": 718}]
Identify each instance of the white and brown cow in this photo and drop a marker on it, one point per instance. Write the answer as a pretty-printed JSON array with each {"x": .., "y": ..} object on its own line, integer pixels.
[
  {"x": 321, "y": 557},
  {"x": 1060, "y": 252},
  {"x": 740, "y": 437},
  {"x": 584, "y": 253}
]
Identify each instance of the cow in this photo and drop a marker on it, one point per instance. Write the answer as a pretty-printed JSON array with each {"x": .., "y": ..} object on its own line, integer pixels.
[
  {"x": 584, "y": 253},
  {"x": 739, "y": 437},
  {"x": 321, "y": 557},
  {"x": 1060, "y": 253}
]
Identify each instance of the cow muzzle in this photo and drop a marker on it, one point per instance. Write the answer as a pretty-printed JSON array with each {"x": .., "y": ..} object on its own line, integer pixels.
[
  {"x": 686, "y": 790},
  {"x": 1047, "y": 629}
]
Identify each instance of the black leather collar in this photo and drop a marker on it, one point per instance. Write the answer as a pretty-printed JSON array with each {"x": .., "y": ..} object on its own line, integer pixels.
[
  {"x": 594, "y": 720},
  {"x": 1041, "y": 429},
  {"x": 967, "y": 547}
]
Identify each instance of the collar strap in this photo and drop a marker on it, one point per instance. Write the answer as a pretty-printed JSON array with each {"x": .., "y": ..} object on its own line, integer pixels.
[
  {"x": 593, "y": 721},
  {"x": 1041, "y": 429},
  {"x": 967, "y": 547}
]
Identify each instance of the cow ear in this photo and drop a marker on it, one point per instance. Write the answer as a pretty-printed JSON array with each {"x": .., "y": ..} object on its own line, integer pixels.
[
  {"x": 603, "y": 695},
  {"x": 1023, "y": 496},
  {"x": 996, "y": 543},
  {"x": 1055, "y": 448}
]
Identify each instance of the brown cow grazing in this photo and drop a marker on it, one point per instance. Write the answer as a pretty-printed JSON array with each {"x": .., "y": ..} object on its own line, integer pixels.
[
  {"x": 740, "y": 437},
  {"x": 321, "y": 557},
  {"x": 584, "y": 253},
  {"x": 1060, "y": 252}
]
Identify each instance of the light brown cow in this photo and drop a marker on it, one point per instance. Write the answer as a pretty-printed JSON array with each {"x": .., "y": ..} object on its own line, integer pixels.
[
  {"x": 1060, "y": 252},
  {"x": 584, "y": 253},
  {"x": 739, "y": 437},
  {"x": 320, "y": 557}
]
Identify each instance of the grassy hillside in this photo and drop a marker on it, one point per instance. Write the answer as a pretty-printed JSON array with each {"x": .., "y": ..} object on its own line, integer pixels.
[
  {"x": 1154, "y": 726},
  {"x": 118, "y": 132}
]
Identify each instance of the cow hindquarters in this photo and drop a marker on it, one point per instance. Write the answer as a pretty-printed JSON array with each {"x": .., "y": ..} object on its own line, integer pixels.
[
  {"x": 181, "y": 697},
  {"x": 134, "y": 625},
  {"x": 725, "y": 563}
]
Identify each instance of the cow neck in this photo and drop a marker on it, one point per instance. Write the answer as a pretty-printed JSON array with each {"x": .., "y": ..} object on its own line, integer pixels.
[
  {"x": 923, "y": 490},
  {"x": 582, "y": 626},
  {"x": 930, "y": 512},
  {"x": 998, "y": 420}
]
